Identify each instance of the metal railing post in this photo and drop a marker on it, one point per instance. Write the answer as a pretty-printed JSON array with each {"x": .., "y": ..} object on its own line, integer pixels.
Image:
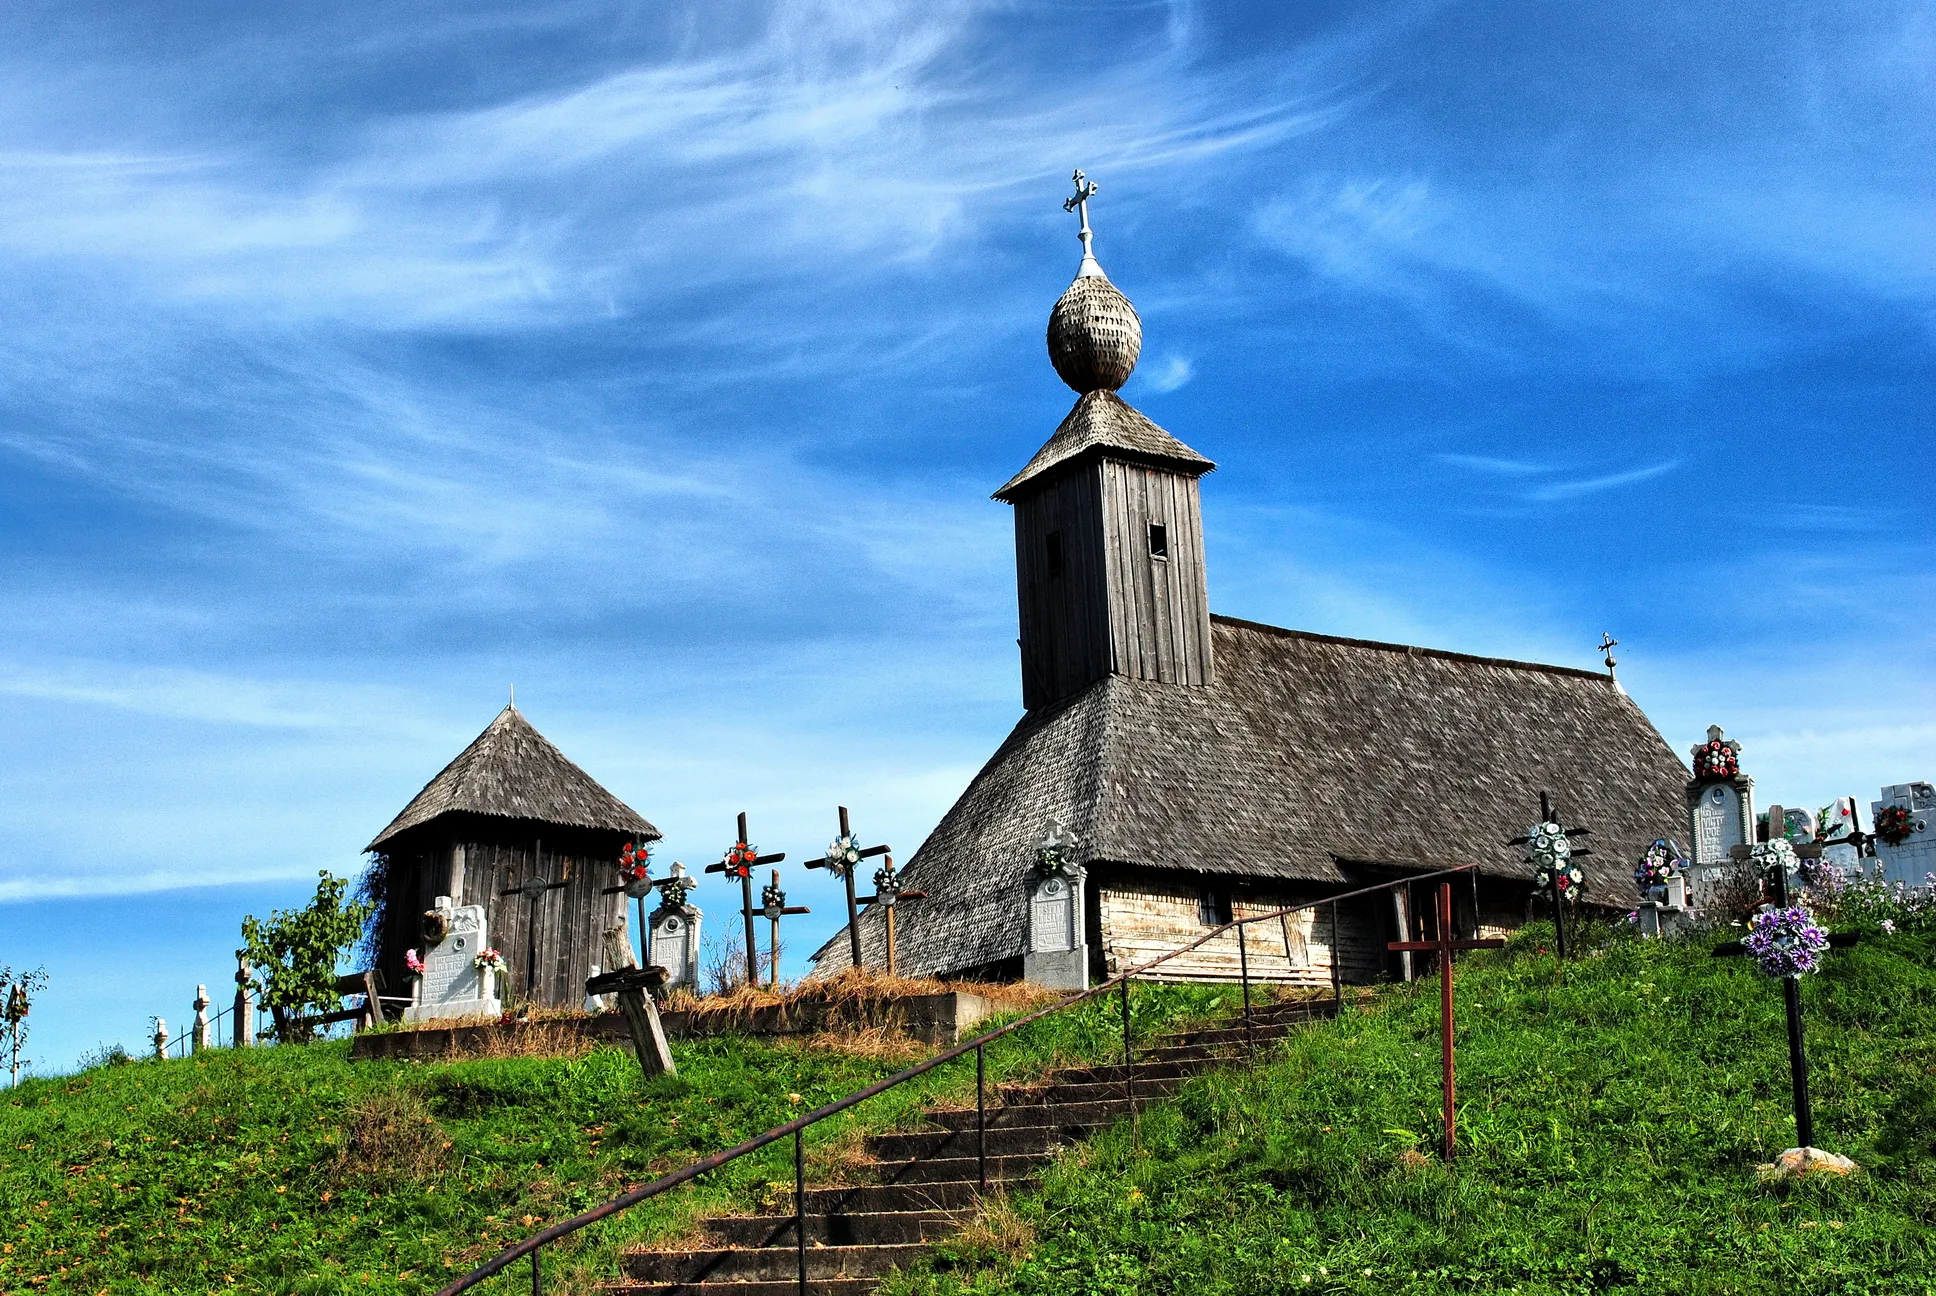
[
  {"x": 800, "y": 1204},
  {"x": 1337, "y": 970},
  {"x": 537, "y": 1273},
  {"x": 1243, "y": 965},
  {"x": 981, "y": 1117},
  {"x": 1129, "y": 1062}
]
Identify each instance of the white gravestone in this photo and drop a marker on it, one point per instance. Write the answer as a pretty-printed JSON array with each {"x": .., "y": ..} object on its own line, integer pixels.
[
  {"x": 1720, "y": 812},
  {"x": 1912, "y": 860},
  {"x": 452, "y": 984},
  {"x": 1057, "y": 955},
  {"x": 675, "y": 945}
]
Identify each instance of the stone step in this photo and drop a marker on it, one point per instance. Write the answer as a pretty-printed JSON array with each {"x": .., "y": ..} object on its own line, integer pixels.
[
  {"x": 1057, "y": 1115},
  {"x": 727, "y": 1287},
  {"x": 927, "y": 1144},
  {"x": 1082, "y": 1094},
  {"x": 937, "y": 1195},
  {"x": 767, "y": 1264},
  {"x": 1143, "y": 1072},
  {"x": 936, "y": 1169},
  {"x": 845, "y": 1229}
]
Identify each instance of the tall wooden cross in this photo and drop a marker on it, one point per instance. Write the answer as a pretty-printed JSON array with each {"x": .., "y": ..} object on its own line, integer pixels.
[
  {"x": 841, "y": 859},
  {"x": 773, "y": 904},
  {"x": 889, "y": 892},
  {"x": 1791, "y": 988},
  {"x": 1445, "y": 947},
  {"x": 1554, "y": 855},
  {"x": 739, "y": 862},
  {"x": 533, "y": 889}
]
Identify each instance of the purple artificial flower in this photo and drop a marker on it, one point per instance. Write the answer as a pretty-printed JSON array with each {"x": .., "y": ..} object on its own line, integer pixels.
[{"x": 1785, "y": 942}]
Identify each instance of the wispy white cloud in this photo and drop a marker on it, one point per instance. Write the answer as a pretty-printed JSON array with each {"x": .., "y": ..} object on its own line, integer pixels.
[
  {"x": 1170, "y": 372},
  {"x": 1491, "y": 464},
  {"x": 1594, "y": 485}
]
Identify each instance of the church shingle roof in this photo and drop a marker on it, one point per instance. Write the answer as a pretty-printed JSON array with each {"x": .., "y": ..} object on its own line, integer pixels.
[
  {"x": 1104, "y": 421},
  {"x": 512, "y": 771},
  {"x": 1307, "y": 755}
]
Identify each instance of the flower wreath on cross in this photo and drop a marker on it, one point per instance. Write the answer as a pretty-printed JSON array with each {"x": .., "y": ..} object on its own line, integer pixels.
[
  {"x": 1779, "y": 853},
  {"x": 1657, "y": 865},
  {"x": 739, "y": 860},
  {"x": 1551, "y": 856},
  {"x": 1785, "y": 942},
  {"x": 635, "y": 862},
  {"x": 772, "y": 900},
  {"x": 1894, "y": 824},
  {"x": 1716, "y": 760},
  {"x": 843, "y": 854},
  {"x": 673, "y": 890}
]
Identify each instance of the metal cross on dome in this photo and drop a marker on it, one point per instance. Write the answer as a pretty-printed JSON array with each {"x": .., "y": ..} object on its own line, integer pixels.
[
  {"x": 1085, "y": 190},
  {"x": 1607, "y": 645}
]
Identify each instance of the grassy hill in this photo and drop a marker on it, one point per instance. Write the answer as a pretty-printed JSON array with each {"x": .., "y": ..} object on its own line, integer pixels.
[
  {"x": 1612, "y": 1117},
  {"x": 1613, "y": 1114},
  {"x": 294, "y": 1170}
]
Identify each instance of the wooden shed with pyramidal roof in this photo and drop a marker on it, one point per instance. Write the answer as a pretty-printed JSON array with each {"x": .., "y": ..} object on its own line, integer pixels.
[
  {"x": 1206, "y": 767},
  {"x": 509, "y": 809}
]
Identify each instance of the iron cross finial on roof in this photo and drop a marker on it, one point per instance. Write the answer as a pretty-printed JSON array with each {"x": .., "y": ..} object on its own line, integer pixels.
[
  {"x": 1085, "y": 190},
  {"x": 1607, "y": 643}
]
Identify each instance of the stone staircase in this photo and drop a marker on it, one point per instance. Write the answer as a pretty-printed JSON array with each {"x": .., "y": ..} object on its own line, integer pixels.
[{"x": 926, "y": 1183}]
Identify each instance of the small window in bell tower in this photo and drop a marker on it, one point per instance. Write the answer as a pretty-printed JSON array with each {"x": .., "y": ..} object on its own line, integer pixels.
[
  {"x": 1055, "y": 553},
  {"x": 1159, "y": 540}
]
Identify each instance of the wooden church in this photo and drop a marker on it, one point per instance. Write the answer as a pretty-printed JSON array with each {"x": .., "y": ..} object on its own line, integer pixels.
[
  {"x": 1205, "y": 767},
  {"x": 515, "y": 827}
]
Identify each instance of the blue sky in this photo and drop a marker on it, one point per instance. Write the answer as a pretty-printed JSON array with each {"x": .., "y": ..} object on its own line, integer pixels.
[{"x": 362, "y": 360}]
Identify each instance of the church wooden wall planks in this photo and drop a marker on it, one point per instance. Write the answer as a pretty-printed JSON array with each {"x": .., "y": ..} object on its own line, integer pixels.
[
  {"x": 1064, "y": 616},
  {"x": 1142, "y": 919}
]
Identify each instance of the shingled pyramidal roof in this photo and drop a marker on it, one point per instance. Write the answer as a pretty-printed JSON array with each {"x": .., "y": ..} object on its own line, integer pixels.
[{"x": 513, "y": 772}]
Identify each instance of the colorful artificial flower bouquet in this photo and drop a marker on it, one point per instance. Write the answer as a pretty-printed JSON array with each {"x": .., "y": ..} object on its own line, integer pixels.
[
  {"x": 843, "y": 854},
  {"x": 740, "y": 859},
  {"x": 1894, "y": 824},
  {"x": 1657, "y": 866},
  {"x": 1785, "y": 942},
  {"x": 634, "y": 862},
  {"x": 1716, "y": 760},
  {"x": 411, "y": 961},
  {"x": 488, "y": 960},
  {"x": 1551, "y": 855}
]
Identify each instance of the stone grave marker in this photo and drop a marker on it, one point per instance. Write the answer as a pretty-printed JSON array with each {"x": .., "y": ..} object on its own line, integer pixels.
[
  {"x": 1720, "y": 812},
  {"x": 675, "y": 944},
  {"x": 452, "y": 985},
  {"x": 1058, "y": 954},
  {"x": 1911, "y": 859}
]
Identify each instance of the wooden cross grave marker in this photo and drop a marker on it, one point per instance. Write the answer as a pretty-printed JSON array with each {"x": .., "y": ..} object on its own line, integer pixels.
[
  {"x": 1446, "y": 947},
  {"x": 841, "y": 859},
  {"x": 533, "y": 889},
  {"x": 739, "y": 862},
  {"x": 773, "y": 904},
  {"x": 638, "y": 888},
  {"x": 889, "y": 892},
  {"x": 1791, "y": 987},
  {"x": 1555, "y": 887}
]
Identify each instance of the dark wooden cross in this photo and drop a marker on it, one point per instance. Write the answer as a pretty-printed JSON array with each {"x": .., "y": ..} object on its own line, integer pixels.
[
  {"x": 838, "y": 862},
  {"x": 773, "y": 904},
  {"x": 1445, "y": 947},
  {"x": 743, "y": 870},
  {"x": 1548, "y": 815},
  {"x": 888, "y": 892},
  {"x": 1791, "y": 988},
  {"x": 533, "y": 889}
]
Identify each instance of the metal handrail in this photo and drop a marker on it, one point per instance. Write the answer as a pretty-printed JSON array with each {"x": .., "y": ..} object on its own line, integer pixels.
[{"x": 796, "y": 1128}]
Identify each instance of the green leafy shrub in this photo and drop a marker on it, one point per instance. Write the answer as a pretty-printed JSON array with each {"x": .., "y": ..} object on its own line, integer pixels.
[{"x": 296, "y": 951}]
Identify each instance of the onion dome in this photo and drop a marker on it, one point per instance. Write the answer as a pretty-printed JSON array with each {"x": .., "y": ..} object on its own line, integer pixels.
[{"x": 1094, "y": 333}]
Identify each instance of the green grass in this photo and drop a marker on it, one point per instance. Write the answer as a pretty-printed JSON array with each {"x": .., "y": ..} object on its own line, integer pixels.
[
  {"x": 227, "y": 1171},
  {"x": 1611, "y": 1119}
]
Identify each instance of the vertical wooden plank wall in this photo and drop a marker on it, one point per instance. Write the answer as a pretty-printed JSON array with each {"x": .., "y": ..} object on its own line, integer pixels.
[
  {"x": 1064, "y": 618},
  {"x": 1159, "y": 609}
]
